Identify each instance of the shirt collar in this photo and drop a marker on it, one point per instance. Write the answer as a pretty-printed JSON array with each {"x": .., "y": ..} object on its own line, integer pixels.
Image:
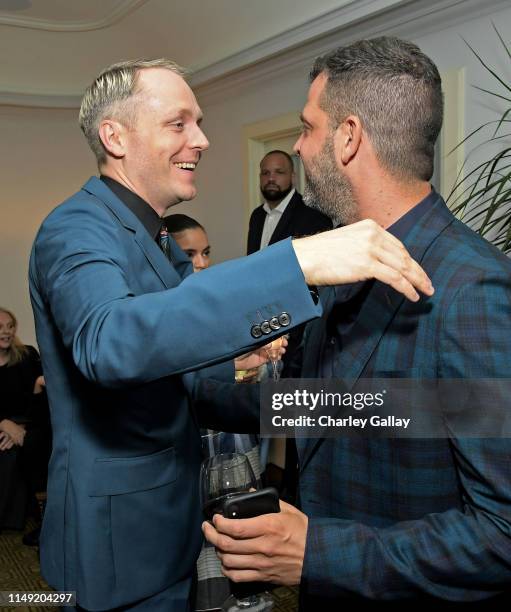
[
  {"x": 402, "y": 227},
  {"x": 139, "y": 207},
  {"x": 282, "y": 206}
]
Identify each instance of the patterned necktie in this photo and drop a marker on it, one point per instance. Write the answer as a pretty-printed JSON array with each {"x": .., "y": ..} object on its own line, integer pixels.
[{"x": 164, "y": 241}]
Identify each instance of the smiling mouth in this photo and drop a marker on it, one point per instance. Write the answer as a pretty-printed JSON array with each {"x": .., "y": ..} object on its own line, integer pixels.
[{"x": 186, "y": 166}]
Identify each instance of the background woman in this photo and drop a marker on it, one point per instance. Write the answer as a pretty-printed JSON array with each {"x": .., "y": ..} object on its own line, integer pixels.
[
  {"x": 25, "y": 438},
  {"x": 192, "y": 238}
]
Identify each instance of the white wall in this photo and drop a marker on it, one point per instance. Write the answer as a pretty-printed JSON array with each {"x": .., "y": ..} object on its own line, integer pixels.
[
  {"x": 44, "y": 157},
  {"x": 43, "y": 160}
]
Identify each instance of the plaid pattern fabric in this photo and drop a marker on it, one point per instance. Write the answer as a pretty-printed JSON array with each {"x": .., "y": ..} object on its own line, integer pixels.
[{"x": 406, "y": 518}]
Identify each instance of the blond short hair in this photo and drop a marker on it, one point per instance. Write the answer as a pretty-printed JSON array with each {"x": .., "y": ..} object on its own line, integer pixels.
[{"x": 112, "y": 95}]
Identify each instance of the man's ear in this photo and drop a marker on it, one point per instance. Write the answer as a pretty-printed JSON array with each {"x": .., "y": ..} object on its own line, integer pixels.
[
  {"x": 348, "y": 137},
  {"x": 112, "y": 135}
]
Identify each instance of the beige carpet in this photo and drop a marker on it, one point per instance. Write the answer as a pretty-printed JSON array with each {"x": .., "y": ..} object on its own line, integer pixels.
[{"x": 19, "y": 569}]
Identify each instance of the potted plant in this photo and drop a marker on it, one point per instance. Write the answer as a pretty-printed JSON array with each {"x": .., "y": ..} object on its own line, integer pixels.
[{"x": 482, "y": 198}]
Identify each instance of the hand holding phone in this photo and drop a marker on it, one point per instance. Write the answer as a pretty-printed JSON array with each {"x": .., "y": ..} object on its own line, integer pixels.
[{"x": 250, "y": 504}]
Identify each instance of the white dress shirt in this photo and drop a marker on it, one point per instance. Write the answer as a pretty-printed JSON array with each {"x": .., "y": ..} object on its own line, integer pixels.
[{"x": 273, "y": 216}]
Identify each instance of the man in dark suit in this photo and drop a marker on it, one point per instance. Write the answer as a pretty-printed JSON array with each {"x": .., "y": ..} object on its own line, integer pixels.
[
  {"x": 283, "y": 213},
  {"x": 388, "y": 518},
  {"x": 123, "y": 326}
]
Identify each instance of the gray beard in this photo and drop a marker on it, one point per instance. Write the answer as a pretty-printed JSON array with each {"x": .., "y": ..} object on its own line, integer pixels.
[{"x": 328, "y": 190}]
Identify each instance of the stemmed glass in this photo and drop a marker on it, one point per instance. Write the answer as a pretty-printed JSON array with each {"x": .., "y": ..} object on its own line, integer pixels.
[
  {"x": 273, "y": 351},
  {"x": 223, "y": 476}
]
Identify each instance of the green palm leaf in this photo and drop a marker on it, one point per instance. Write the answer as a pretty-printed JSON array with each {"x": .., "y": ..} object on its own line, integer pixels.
[{"x": 482, "y": 197}]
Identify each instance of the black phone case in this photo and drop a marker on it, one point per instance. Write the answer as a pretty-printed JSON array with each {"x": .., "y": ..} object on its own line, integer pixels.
[{"x": 253, "y": 503}]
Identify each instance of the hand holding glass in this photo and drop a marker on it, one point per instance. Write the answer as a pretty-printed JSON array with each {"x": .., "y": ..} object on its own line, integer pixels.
[
  {"x": 223, "y": 477},
  {"x": 274, "y": 352}
]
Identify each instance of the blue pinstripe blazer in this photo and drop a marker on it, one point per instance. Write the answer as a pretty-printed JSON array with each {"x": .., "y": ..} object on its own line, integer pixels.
[{"x": 411, "y": 518}]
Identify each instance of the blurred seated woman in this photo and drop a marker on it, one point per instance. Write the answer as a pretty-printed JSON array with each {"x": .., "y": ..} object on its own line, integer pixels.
[{"x": 25, "y": 434}]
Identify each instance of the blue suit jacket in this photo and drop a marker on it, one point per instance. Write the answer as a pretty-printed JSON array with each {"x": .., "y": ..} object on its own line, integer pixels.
[
  {"x": 120, "y": 332},
  {"x": 411, "y": 518}
]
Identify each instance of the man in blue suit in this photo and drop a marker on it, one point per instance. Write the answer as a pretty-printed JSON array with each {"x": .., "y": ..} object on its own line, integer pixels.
[
  {"x": 122, "y": 331},
  {"x": 384, "y": 520}
]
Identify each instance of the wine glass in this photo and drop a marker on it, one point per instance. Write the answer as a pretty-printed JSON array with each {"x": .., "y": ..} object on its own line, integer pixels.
[
  {"x": 273, "y": 351},
  {"x": 223, "y": 476}
]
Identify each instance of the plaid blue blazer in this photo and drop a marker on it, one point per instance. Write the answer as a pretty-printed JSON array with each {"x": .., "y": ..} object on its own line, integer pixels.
[{"x": 410, "y": 518}]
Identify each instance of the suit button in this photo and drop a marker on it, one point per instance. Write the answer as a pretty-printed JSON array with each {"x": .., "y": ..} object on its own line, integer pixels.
[
  {"x": 274, "y": 323},
  {"x": 256, "y": 331},
  {"x": 265, "y": 327},
  {"x": 284, "y": 319}
]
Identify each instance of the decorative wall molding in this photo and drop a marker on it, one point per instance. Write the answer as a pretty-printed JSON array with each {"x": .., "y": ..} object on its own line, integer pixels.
[
  {"x": 254, "y": 137},
  {"x": 452, "y": 154},
  {"x": 347, "y": 14},
  {"x": 295, "y": 49},
  {"x": 29, "y": 100},
  {"x": 86, "y": 25},
  {"x": 408, "y": 19}
]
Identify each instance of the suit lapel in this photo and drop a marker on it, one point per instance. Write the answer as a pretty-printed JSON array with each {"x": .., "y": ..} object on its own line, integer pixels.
[
  {"x": 378, "y": 311},
  {"x": 317, "y": 336},
  {"x": 170, "y": 275},
  {"x": 314, "y": 350},
  {"x": 282, "y": 231},
  {"x": 256, "y": 230},
  {"x": 180, "y": 259}
]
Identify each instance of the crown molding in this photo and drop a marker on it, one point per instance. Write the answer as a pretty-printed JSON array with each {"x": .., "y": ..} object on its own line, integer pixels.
[
  {"x": 85, "y": 25},
  {"x": 407, "y": 19},
  {"x": 349, "y": 13},
  {"x": 29, "y": 100}
]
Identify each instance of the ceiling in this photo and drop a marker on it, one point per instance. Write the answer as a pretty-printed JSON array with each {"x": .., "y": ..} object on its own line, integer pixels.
[
  {"x": 56, "y": 47},
  {"x": 51, "y": 50}
]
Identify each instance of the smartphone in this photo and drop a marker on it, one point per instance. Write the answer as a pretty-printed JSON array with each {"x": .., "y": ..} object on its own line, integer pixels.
[{"x": 253, "y": 503}]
